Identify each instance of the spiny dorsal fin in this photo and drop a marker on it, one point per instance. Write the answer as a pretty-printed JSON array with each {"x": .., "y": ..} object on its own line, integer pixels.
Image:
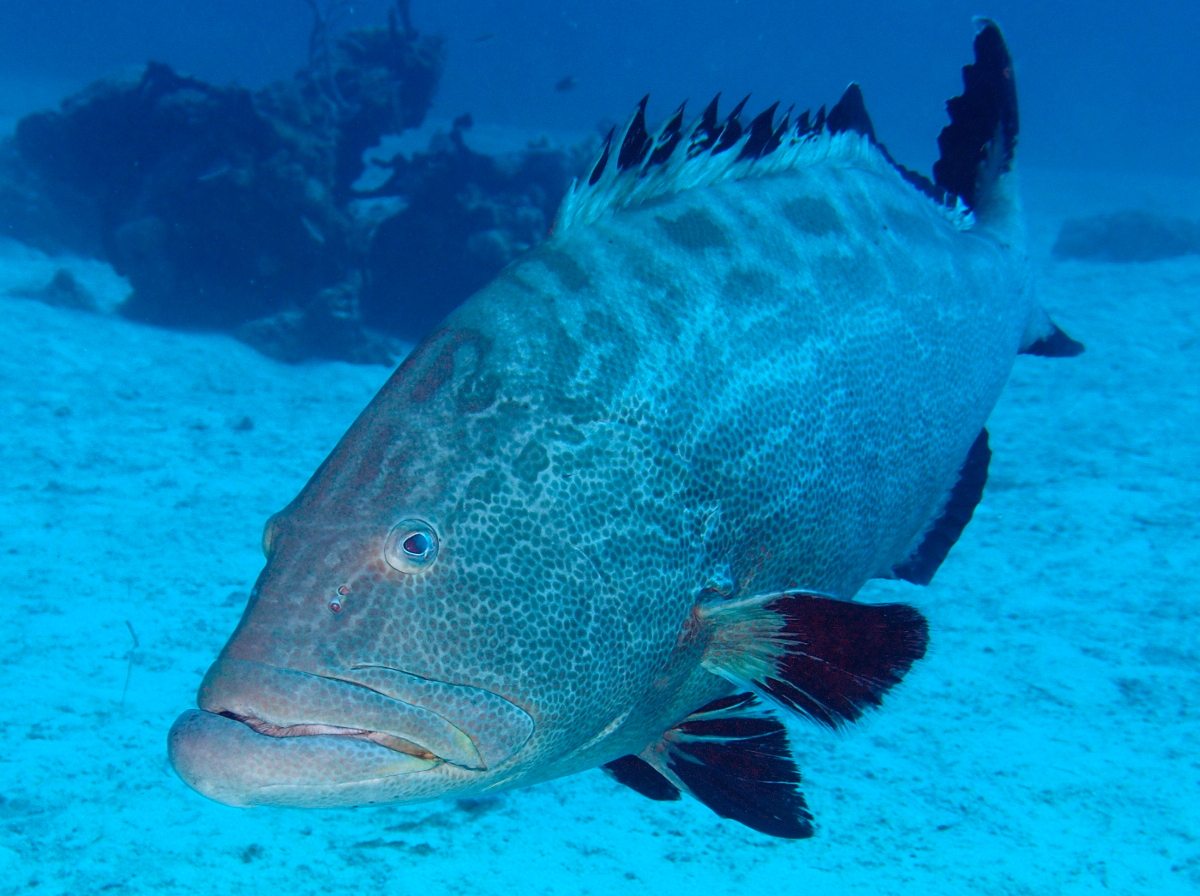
[
  {"x": 602, "y": 162},
  {"x": 762, "y": 129},
  {"x": 636, "y": 142},
  {"x": 850, "y": 114},
  {"x": 668, "y": 139},
  {"x": 710, "y": 151},
  {"x": 705, "y": 132},
  {"x": 731, "y": 133}
]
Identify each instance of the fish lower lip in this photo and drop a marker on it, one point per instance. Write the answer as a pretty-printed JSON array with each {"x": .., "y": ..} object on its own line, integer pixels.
[{"x": 399, "y": 744}]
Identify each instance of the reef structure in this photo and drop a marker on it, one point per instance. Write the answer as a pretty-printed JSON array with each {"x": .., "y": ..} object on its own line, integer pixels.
[{"x": 235, "y": 209}]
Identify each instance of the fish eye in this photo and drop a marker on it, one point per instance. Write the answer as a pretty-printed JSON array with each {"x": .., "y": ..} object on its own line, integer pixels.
[
  {"x": 268, "y": 536},
  {"x": 411, "y": 546}
]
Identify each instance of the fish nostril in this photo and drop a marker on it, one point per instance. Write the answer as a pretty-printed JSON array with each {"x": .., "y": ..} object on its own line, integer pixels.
[{"x": 335, "y": 603}]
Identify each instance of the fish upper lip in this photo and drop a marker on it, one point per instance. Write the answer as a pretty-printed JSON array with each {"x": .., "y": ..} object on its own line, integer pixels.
[{"x": 392, "y": 742}]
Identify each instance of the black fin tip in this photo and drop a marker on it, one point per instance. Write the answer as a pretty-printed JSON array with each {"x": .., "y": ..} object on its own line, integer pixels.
[
  {"x": 668, "y": 139},
  {"x": 732, "y": 132},
  {"x": 706, "y": 132},
  {"x": 850, "y": 114},
  {"x": 738, "y": 762},
  {"x": 921, "y": 566},
  {"x": 1057, "y": 345},
  {"x": 983, "y": 119},
  {"x": 599, "y": 169},
  {"x": 637, "y": 142},
  {"x": 639, "y": 775},
  {"x": 762, "y": 129}
]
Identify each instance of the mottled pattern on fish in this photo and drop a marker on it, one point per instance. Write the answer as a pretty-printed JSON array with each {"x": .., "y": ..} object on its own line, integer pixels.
[
  {"x": 767, "y": 383},
  {"x": 764, "y": 384}
]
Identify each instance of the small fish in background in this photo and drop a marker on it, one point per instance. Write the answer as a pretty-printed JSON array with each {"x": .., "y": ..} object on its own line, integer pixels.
[
  {"x": 565, "y": 84},
  {"x": 484, "y": 38},
  {"x": 217, "y": 169},
  {"x": 614, "y": 511}
]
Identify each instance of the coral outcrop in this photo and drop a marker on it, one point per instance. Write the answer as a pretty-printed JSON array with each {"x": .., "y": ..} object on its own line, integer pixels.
[
  {"x": 1127, "y": 236},
  {"x": 236, "y": 209}
]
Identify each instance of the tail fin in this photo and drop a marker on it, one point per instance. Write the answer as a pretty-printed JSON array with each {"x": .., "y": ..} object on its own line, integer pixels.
[{"x": 978, "y": 145}]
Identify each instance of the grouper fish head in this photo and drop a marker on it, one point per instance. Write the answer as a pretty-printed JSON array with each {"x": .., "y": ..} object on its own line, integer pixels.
[{"x": 440, "y": 613}]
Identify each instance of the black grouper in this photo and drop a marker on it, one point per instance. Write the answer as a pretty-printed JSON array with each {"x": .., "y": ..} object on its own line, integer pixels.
[{"x": 615, "y": 510}]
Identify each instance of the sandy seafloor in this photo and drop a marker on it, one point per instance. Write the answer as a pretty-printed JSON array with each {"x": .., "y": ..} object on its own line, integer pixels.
[{"x": 1049, "y": 743}]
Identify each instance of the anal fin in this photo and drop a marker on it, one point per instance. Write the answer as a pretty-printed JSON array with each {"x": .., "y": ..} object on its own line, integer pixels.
[
  {"x": 734, "y": 756},
  {"x": 919, "y": 567},
  {"x": 817, "y": 656}
]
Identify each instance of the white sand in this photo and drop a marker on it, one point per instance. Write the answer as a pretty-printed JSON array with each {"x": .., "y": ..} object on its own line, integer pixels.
[{"x": 1047, "y": 745}]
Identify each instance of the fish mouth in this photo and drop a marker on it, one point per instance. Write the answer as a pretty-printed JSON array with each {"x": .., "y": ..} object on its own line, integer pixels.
[
  {"x": 399, "y": 744},
  {"x": 267, "y": 735},
  {"x": 225, "y": 759}
]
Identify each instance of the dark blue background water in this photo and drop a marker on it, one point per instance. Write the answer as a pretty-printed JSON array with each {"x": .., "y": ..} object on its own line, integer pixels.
[{"x": 1105, "y": 84}]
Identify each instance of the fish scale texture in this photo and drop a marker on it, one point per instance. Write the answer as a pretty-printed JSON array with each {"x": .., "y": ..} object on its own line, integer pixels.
[{"x": 768, "y": 383}]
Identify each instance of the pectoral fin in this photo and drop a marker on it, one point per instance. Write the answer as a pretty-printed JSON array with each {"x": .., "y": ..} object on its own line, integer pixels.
[{"x": 813, "y": 655}]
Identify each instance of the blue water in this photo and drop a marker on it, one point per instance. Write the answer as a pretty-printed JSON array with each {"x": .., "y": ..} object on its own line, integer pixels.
[
  {"x": 1048, "y": 744},
  {"x": 1103, "y": 84}
]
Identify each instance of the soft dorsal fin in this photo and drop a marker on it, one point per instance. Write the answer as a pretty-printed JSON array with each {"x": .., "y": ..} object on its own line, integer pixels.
[
  {"x": 919, "y": 567},
  {"x": 979, "y": 144}
]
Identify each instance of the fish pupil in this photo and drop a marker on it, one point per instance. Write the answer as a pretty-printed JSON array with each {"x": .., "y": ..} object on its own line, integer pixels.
[{"x": 416, "y": 544}]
